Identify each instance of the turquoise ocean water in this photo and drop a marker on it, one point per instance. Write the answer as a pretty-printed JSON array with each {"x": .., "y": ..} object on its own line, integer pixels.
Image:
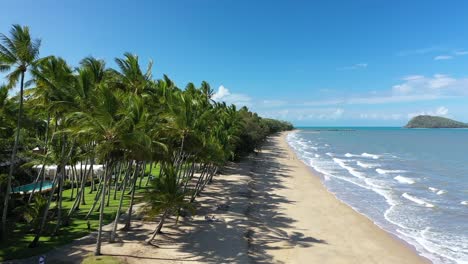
[{"x": 411, "y": 182}]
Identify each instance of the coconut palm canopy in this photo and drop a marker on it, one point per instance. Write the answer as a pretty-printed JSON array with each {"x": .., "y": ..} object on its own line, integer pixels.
[{"x": 152, "y": 138}]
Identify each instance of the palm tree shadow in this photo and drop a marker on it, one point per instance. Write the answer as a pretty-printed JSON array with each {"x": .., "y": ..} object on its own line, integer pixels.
[{"x": 250, "y": 219}]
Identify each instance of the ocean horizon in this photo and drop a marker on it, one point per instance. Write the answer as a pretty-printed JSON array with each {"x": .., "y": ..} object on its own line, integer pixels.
[{"x": 412, "y": 183}]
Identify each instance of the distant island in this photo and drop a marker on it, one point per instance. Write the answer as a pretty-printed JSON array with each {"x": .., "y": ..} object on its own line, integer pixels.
[{"x": 427, "y": 121}]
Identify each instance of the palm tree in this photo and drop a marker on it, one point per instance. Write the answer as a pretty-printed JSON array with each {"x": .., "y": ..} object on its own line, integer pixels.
[
  {"x": 104, "y": 125},
  {"x": 53, "y": 78},
  {"x": 133, "y": 81},
  {"x": 131, "y": 78},
  {"x": 18, "y": 52},
  {"x": 165, "y": 197}
]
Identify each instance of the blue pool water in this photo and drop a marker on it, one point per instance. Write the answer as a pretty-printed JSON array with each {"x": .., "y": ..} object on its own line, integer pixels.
[
  {"x": 412, "y": 183},
  {"x": 29, "y": 187}
]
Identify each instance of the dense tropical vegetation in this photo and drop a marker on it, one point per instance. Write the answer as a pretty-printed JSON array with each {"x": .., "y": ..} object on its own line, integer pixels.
[{"x": 112, "y": 137}]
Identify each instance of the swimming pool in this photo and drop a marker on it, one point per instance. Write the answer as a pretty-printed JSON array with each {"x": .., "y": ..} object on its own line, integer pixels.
[{"x": 29, "y": 187}]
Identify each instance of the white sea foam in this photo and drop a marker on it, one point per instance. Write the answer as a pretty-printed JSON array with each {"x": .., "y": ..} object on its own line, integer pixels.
[
  {"x": 442, "y": 246},
  {"x": 464, "y": 202},
  {"x": 417, "y": 200},
  {"x": 317, "y": 155},
  {"x": 366, "y": 165},
  {"x": 372, "y": 156},
  {"x": 382, "y": 171},
  {"x": 329, "y": 154},
  {"x": 404, "y": 180},
  {"x": 351, "y": 170},
  {"x": 437, "y": 191},
  {"x": 349, "y": 155},
  {"x": 326, "y": 174}
]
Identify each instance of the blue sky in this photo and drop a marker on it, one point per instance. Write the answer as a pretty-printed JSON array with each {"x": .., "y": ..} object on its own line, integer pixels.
[{"x": 319, "y": 63}]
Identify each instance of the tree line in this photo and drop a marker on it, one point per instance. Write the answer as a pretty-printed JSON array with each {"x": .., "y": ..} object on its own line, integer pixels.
[{"x": 121, "y": 119}]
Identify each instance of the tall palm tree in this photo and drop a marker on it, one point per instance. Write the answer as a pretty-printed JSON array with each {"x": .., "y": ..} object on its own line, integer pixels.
[
  {"x": 53, "y": 79},
  {"x": 17, "y": 53},
  {"x": 130, "y": 77}
]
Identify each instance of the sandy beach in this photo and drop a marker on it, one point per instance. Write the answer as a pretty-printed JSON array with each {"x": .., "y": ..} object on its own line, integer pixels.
[{"x": 269, "y": 208}]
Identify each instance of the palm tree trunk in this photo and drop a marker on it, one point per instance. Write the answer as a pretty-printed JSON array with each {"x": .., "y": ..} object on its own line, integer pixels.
[
  {"x": 142, "y": 175},
  {"x": 112, "y": 172},
  {"x": 41, "y": 171},
  {"x": 12, "y": 160},
  {"x": 108, "y": 170},
  {"x": 61, "y": 181},
  {"x": 44, "y": 215},
  {"x": 84, "y": 179},
  {"x": 81, "y": 192},
  {"x": 199, "y": 182},
  {"x": 72, "y": 179},
  {"x": 149, "y": 175},
  {"x": 117, "y": 179},
  {"x": 188, "y": 177},
  {"x": 130, "y": 209},
  {"x": 209, "y": 177},
  {"x": 59, "y": 204},
  {"x": 158, "y": 227},
  {"x": 117, "y": 215},
  {"x": 46, "y": 153}
]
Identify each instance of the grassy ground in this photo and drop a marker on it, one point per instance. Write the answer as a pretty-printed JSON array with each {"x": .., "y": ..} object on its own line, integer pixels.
[{"x": 18, "y": 240}]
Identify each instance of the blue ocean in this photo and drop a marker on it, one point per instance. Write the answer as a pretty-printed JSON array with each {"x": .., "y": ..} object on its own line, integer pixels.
[{"x": 411, "y": 182}]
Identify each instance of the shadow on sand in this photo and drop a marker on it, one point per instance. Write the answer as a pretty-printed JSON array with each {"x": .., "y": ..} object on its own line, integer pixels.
[{"x": 255, "y": 225}]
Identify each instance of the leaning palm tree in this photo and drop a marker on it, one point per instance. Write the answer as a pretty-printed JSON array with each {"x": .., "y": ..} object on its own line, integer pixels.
[
  {"x": 17, "y": 54},
  {"x": 166, "y": 197}
]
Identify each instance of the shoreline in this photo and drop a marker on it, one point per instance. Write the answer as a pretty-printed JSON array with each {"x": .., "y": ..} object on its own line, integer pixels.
[
  {"x": 316, "y": 174},
  {"x": 383, "y": 237}
]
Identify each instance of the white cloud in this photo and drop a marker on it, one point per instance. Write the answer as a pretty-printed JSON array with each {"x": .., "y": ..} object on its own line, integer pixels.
[
  {"x": 438, "y": 84},
  {"x": 355, "y": 66},
  {"x": 305, "y": 114},
  {"x": 224, "y": 95},
  {"x": 391, "y": 99},
  {"x": 413, "y": 77},
  {"x": 402, "y": 115},
  {"x": 324, "y": 102},
  {"x": 440, "y": 111},
  {"x": 273, "y": 103},
  {"x": 460, "y": 52},
  {"x": 380, "y": 116},
  {"x": 440, "y": 81},
  {"x": 335, "y": 115},
  {"x": 221, "y": 93},
  {"x": 418, "y": 51},
  {"x": 369, "y": 100},
  {"x": 443, "y": 57}
]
